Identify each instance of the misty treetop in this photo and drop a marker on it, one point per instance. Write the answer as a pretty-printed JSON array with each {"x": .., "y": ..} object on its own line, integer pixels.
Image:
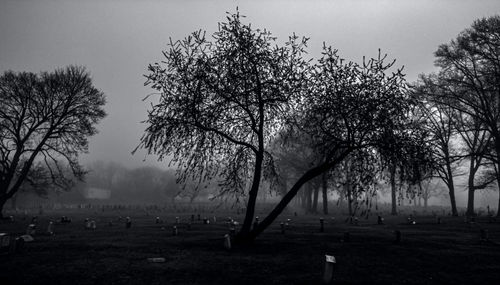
[
  {"x": 45, "y": 118},
  {"x": 223, "y": 104}
]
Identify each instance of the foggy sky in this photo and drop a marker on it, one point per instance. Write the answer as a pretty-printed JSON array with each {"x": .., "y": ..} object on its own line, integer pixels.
[{"x": 117, "y": 39}]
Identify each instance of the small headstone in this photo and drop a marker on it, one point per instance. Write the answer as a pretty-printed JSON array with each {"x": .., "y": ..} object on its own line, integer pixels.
[
  {"x": 93, "y": 225},
  {"x": 50, "y": 228},
  {"x": 380, "y": 220},
  {"x": 87, "y": 224},
  {"x": 31, "y": 230},
  {"x": 27, "y": 238},
  {"x": 256, "y": 223},
  {"x": 397, "y": 236},
  {"x": 4, "y": 243},
  {"x": 19, "y": 245},
  {"x": 328, "y": 272},
  {"x": 156, "y": 259},
  {"x": 227, "y": 242},
  {"x": 321, "y": 225}
]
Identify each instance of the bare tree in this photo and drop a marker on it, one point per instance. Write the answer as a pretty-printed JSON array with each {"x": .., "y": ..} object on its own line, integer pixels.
[
  {"x": 469, "y": 76},
  {"x": 45, "y": 118}
]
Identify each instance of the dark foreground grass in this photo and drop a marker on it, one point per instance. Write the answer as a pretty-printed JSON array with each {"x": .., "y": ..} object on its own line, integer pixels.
[{"x": 448, "y": 253}]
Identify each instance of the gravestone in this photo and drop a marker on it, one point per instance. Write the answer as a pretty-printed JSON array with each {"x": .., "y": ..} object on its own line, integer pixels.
[
  {"x": 87, "y": 224},
  {"x": 380, "y": 220},
  {"x": 93, "y": 225},
  {"x": 256, "y": 223},
  {"x": 50, "y": 228},
  {"x": 4, "y": 243},
  {"x": 328, "y": 271},
  {"x": 27, "y": 238},
  {"x": 31, "y": 230},
  {"x": 321, "y": 225},
  {"x": 227, "y": 242},
  {"x": 19, "y": 245}
]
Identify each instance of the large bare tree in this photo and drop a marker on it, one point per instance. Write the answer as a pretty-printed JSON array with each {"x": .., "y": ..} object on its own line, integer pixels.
[{"x": 45, "y": 118}]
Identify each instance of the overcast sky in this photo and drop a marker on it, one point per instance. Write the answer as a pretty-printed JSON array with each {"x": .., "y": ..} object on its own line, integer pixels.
[{"x": 117, "y": 39}]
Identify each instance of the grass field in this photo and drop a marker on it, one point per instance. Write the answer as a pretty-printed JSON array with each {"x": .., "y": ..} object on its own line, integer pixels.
[{"x": 429, "y": 253}]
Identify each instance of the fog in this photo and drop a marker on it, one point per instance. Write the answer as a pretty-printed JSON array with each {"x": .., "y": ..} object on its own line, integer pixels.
[{"x": 117, "y": 39}]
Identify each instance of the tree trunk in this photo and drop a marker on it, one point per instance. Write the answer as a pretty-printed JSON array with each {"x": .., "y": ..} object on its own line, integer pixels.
[
  {"x": 393, "y": 190},
  {"x": 451, "y": 187},
  {"x": 470, "y": 200},
  {"x": 315, "y": 200},
  {"x": 325, "y": 194},
  {"x": 252, "y": 196}
]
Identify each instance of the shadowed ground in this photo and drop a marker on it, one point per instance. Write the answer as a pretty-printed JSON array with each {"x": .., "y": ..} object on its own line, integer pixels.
[{"x": 429, "y": 253}]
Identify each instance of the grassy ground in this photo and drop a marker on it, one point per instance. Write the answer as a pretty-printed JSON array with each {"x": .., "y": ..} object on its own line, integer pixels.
[{"x": 429, "y": 253}]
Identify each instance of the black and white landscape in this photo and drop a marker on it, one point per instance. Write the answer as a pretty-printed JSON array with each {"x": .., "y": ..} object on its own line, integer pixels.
[{"x": 249, "y": 142}]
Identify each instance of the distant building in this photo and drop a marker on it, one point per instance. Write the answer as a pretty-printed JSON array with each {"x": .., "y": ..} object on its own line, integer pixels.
[{"x": 97, "y": 193}]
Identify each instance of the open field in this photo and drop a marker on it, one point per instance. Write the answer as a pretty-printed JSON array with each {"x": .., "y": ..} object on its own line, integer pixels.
[{"x": 429, "y": 253}]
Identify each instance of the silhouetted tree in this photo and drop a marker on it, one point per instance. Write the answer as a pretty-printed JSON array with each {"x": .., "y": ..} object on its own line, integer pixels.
[
  {"x": 220, "y": 103},
  {"x": 470, "y": 76},
  {"x": 46, "y": 118}
]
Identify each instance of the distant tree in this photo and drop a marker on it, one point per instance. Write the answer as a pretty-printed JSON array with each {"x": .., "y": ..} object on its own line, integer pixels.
[
  {"x": 469, "y": 76},
  {"x": 45, "y": 118},
  {"x": 442, "y": 127}
]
